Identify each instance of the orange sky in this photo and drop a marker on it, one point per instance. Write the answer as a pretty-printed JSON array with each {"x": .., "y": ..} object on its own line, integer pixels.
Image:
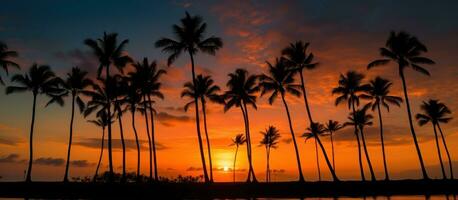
[{"x": 250, "y": 39}]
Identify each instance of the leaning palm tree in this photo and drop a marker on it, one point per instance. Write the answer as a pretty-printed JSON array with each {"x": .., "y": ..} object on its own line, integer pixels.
[
  {"x": 315, "y": 131},
  {"x": 190, "y": 38},
  {"x": 361, "y": 119},
  {"x": 237, "y": 141},
  {"x": 406, "y": 51},
  {"x": 279, "y": 81},
  {"x": 350, "y": 87},
  {"x": 269, "y": 140},
  {"x": 379, "y": 94},
  {"x": 435, "y": 112},
  {"x": 101, "y": 121},
  {"x": 5, "y": 62},
  {"x": 109, "y": 53},
  {"x": 331, "y": 127},
  {"x": 242, "y": 89},
  {"x": 205, "y": 89},
  {"x": 76, "y": 84},
  {"x": 40, "y": 79}
]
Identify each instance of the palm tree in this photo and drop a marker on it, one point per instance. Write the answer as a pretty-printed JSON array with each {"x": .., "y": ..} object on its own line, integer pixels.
[
  {"x": 349, "y": 89},
  {"x": 76, "y": 83},
  {"x": 237, "y": 141},
  {"x": 361, "y": 119},
  {"x": 297, "y": 58},
  {"x": 40, "y": 79},
  {"x": 242, "y": 89},
  {"x": 102, "y": 121},
  {"x": 279, "y": 80},
  {"x": 190, "y": 38},
  {"x": 120, "y": 86},
  {"x": 331, "y": 127},
  {"x": 435, "y": 112},
  {"x": 109, "y": 52},
  {"x": 405, "y": 50},
  {"x": 270, "y": 140},
  {"x": 379, "y": 94},
  {"x": 5, "y": 62},
  {"x": 314, "y": 131},
  {"x": 204, "y": 90}
]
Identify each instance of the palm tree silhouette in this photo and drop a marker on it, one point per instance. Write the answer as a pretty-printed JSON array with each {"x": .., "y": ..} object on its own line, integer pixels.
[
  {"x": 435, "y": 112},
  {"x": 5, "y": 62},
  {"x": 361, "y": 119},
  {"x": 279, "y": 80},
  {"x": 349, "y": 89},
  {"x": 109, "y": 53},
  {"x": 190, "y": 38},
  {"x": 314, "y": 131},
  {"x": 269, "y": 140},
  {"x": 205, "y": 89},
  {"x": 76, "y": 84},
  {"x": 102, "y": 121},
  {"x": 119, "y": 85},
  {"x": 379, "y": 94},
  {"x": 241, "y": 92},
  {"x": 40, "y": 79},
  {"x": 331, "y": 127},
  {"x": 238, "y": 140},
  {"x": 405, "y": 50}
]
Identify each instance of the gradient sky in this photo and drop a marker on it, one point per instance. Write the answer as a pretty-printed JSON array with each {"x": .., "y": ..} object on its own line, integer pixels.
[{"x": 343, "y": 35}]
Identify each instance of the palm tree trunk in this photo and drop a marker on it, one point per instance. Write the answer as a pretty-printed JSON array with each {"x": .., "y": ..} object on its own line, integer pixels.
[
  {"x": 367, "y": 155},
  {"x": 199, "y": 136},
  {"x": 149, "y": 139},
  {"x": 153, "y": 141},
  {"x": 101, "y": 155},
  {"x": 137, "y": 142},
  {"x": 412, "y": 130},
  {"x": 208, "y": 139},
  {"x": 268, "y": 165},
  {"x": 301, "y": 176},
  {"x": 29, "y": 169},
  {"x": 387, "y": 177},
  {"x": 248, "y": 142},
  {"x": 70, "y": 140},
  {"x": 317, "y": 161},
  {"x": 333, "y": 173},
  {"x": 363, "y": 178},
  {"x": 110, "y": 147},
  {"x": 235, "y": 159},
  {"x": 446, "y": 150},
  {"x": 332, "y": 149},
  {"x": 123, "y": 144},
  {"x": 439, "y": 152}
]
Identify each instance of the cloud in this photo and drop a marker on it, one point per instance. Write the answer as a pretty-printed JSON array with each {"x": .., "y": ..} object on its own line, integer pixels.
[
  {"x": 194, "y": 169},
  {"x": 10, "y": 141},
  {"x": 169, "y": 119},
  {"x": 77, "y": 57},
  {"x": 49, "y": 161},
  {"x": 81, "y": 163},
  {"x": 116, "y": 144},
  {"x": 11, "y": 158}
]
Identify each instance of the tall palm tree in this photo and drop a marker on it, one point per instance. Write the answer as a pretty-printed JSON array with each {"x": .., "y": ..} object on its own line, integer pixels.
[
  {"x": 5, "y": 62},
  {"x": 361, "y": 119},
  {"x": 435, "y": 112},
  {"x": 101, "y": 121},
  {"x": 297, "y": 58},
  {"x": 204, "y": 90},
  {"x": 269, "y": 140},
  {"x": 242, "y": 89},
  {"x": 350, "y": 87},
  {"x": 238, "y": 140},
  {"x": 190, "y": 38},
  {"x": 331, "y": 127},
  {"x": 120, "y": 86},
  {"x": 379, "y": 94},
  {"x": 109, "y": 52},
  {"x": 77, "y": 83},
  {"x": 40, "y": 79},
  {"x": 279, "y": 80},
  {"x": 405, "y": 50},
  {"x": 314, "y": 131}
]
